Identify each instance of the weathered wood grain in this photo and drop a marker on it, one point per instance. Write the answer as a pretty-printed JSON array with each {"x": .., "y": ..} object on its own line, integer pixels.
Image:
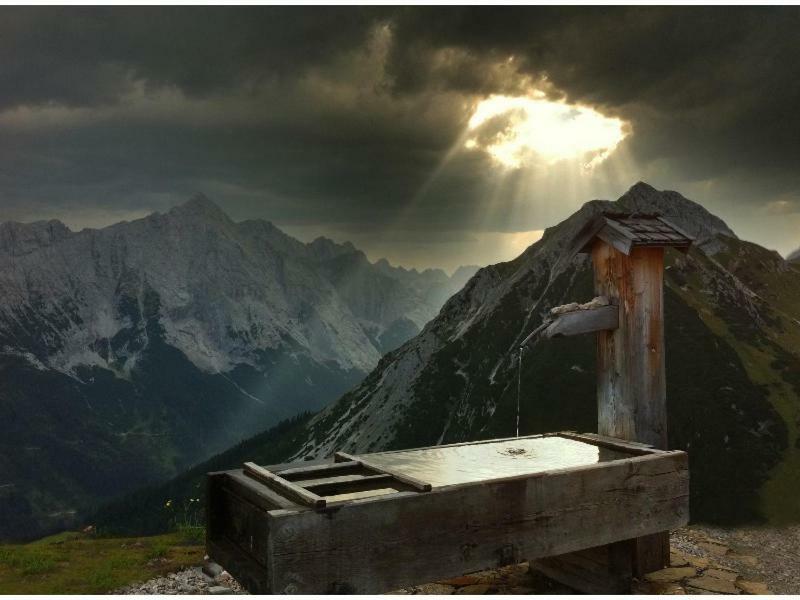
[
  {"x": 473, "y": 443},
  {"x": 634, "y": 448},
  {"x": 583, "y": 321},
  {"x": 387, "y": 543},
  {"x": 249, "y": 573},
  {"x": 401, "y": 477},
  {"x": 330, "y": 468},
  {"x": 234, "y": 521},
  {"x": 599, "y": 570},
  {"x": 631, "y": 375},
  {"x": 282, "y": 486},
  {"x": 630, "y": 359},
  {"x": 256, "y": 492},
  {"x": 370, "y": 482}
]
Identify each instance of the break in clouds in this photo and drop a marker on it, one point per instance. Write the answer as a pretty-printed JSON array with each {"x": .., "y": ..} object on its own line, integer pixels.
[{"x": 432, "y": 136}]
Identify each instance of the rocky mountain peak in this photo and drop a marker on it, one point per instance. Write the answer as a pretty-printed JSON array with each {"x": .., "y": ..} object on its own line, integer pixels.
[
  {"x": 685, "y": 213},
  {"x": 200, "y": 206},
  {"x": 325, "y": 248},
  {"x": 22, "y": 238}
]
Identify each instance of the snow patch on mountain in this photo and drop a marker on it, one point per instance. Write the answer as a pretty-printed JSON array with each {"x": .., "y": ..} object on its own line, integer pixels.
[{"x": 219, "y": 291}]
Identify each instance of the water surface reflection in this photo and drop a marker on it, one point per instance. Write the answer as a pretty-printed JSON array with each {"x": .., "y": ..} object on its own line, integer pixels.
[{"x": 449, "y": 465}]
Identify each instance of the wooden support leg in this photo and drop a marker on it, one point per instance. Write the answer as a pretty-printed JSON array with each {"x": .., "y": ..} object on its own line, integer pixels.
[
  {"x": 651, "y": 553},
  {"x": 608, "y": 569},
  {"x": 600, "y": 570}
]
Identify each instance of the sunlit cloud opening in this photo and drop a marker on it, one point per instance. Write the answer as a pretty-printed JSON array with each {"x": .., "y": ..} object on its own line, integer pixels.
[{"x": 517, "y": 131}]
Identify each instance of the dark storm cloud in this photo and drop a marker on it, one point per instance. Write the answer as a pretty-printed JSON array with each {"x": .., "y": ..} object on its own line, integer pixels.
[
  {"x": 339, "y": 116},
  {"x": 693, "y": 79},
  {"x": 91, "y": 55}
]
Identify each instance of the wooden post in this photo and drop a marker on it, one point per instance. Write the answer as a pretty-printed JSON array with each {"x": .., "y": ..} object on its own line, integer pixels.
[
  {"x": 628, "y": 258},
  {"x": 631, "y": 387},
  {"x": 631, "y": 383}
]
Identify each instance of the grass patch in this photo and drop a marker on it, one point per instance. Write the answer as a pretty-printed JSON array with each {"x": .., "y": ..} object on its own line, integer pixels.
[
  {"x": 28, "y": 561},
  {"x": 72, "y": 563},
  {"x": 778, "y": 503},
  {"x": 192, "y": 534}
]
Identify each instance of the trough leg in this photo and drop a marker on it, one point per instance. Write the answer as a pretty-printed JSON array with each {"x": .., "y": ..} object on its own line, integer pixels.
[{"x": 608, "y": 569}]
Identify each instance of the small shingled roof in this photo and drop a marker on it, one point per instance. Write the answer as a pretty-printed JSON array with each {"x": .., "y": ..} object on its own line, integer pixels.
[{"x": 624, "y": 231}]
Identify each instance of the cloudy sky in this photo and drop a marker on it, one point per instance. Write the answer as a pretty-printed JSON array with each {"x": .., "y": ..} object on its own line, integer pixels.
[{"x": 431, "y": 136}]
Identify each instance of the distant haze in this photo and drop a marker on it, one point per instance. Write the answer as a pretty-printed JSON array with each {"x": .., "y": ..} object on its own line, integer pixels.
[{"x": 430, "y": 136}]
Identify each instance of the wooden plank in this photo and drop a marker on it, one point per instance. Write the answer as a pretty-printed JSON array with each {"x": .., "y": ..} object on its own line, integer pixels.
[
  {"x": 595, "y": 439},
  {"x": 282, "y": 486},
  {"x": 689, "y": 238},
  {"x": 317, "y": 462},
  {"x": 331, "y": 468},
  {"x": 370, "y": 482},
  {"x": 616, "y": 239},
  {"x": 622, "y": 229},
  {"x": 340, "y": 479},
  {"x": 600, "y": 570},
  {"x": 256, "y": 492},
  {"x": 243, "y": 524},
  {"x": 249, "y": 573},
  {"x": 650, "y": 553},
  {"x": 464, "y": 528},
  {"x": 589, "y": 320},
  {"x": 486, "y": 441},
  {"x": 236, "y": 533},
  {"x": 411, "y": 481}
]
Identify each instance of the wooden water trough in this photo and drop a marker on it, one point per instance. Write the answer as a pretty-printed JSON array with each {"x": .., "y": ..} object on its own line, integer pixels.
[
  {"x": 377, "y": 522},
  {"x": 590, "y": 510}
]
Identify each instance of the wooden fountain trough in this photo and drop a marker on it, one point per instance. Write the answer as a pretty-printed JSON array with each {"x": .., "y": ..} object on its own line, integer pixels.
[
  {"x": 377, "y": 522},
  {"x": 590, "y": 510}
]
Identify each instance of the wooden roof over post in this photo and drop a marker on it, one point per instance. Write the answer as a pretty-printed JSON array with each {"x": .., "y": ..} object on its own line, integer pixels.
[{"x": 625, "y": 231}]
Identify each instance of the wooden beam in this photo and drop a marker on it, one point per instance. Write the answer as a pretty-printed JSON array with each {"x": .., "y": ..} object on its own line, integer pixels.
[
  {"x": 408, "y": 480},
  {"x": 362, "y": 484},
  {"x": 328, "y": 469},
  {"x": 634, "y": 448},
  {"x": 282, "y": 486},
  {"x": 631, "y": 379},
  {"x": 256, "y": 492},
  {"x": 602, "y": 318},
  {"x": 464, "y": 528},
  {"x": 631, "y": 385},
  {"x": 615, "y": 236},
  {"x": 600, "y": 570}
]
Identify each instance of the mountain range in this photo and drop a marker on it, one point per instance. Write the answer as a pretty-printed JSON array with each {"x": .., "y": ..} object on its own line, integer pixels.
[
  {"x": 131, "y": 352},
  {"x": 732, "y": 331}
]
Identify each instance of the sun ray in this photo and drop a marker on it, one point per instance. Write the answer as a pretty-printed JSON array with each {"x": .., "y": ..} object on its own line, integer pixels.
[{"x": 516, "y": 131}]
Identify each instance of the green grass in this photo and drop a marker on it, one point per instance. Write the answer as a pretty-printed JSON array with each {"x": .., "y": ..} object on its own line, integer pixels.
[
  {"x": 778, "y": 496},
  {"x": 74, "y": 563}
]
